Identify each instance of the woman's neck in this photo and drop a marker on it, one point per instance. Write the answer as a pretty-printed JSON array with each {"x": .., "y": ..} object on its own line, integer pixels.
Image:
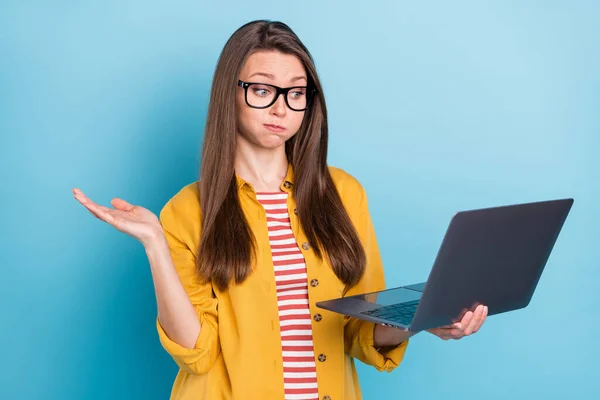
[{"x": 262, "y": 168}]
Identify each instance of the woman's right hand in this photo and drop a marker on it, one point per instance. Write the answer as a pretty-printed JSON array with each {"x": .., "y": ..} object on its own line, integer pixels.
[{"x": 135, "y": 221}]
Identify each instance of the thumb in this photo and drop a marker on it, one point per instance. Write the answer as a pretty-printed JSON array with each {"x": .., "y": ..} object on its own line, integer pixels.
[{"x": 121, "y": 204}]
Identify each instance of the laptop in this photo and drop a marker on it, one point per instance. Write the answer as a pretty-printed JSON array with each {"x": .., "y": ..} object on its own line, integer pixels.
[{"x": 491, "y": 256}]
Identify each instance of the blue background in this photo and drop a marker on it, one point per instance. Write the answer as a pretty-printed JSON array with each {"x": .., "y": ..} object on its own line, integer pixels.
[{"x": 434, "y": 106}]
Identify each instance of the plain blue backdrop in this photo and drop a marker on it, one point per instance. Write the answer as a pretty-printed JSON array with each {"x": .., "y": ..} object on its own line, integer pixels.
[{"x": 434, "y": 106}]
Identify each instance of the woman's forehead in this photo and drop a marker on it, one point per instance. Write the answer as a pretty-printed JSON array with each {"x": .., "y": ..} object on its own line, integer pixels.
[{"x": 273, "y": 66}]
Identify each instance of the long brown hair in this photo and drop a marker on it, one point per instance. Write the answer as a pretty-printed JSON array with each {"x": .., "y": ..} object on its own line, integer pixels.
[{"x": 227, "y": 245}]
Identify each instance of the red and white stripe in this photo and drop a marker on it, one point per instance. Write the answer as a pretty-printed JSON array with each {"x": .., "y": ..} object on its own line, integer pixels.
[{"x": 299, "y": 370}]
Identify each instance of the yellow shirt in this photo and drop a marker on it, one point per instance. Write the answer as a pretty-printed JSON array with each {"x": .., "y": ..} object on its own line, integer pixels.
[{"x": 238, "y": 352}]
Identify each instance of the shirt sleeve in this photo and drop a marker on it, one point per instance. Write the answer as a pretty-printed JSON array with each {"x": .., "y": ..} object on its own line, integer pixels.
[
  {"x": 207, "y": 348},
  {"x": 358, "y": 334}
]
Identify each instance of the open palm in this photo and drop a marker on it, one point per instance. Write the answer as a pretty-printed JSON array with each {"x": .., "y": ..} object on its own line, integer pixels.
[{"x": 135, "y": 221}]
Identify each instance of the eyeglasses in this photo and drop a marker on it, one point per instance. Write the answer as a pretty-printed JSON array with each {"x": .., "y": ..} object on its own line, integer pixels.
[{"x": 262, "y": 95}]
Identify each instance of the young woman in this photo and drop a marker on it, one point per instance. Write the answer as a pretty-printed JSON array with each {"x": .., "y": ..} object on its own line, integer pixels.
[{"x": 240, "y": 257}]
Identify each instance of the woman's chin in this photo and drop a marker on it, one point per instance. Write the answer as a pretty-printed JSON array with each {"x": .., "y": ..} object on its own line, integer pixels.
[{"x": 273, "y": 141}]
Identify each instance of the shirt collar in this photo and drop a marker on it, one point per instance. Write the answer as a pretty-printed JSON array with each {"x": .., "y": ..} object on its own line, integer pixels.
[{"x": 286, "y": 186}]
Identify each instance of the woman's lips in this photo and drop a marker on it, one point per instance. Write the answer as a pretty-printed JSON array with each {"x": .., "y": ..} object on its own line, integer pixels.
[{"x": 274, "y": 128}]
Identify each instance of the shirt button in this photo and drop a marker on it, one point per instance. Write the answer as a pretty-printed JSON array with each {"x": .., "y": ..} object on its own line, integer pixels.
[
  {"x": 318, "y": 317},
  {"x": 326, "y": 397},
  {"x": 287, "y": 184},
  {"x": 306, "y": 245},
  {"x": 322, "y": 357},
  {"x": 295, "y": 211},
  {"x": 314, "y": 283}
]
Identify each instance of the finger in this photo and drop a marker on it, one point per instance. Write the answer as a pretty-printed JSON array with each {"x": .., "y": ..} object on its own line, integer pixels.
[
  {"x": 451, "y": 326},
  {"x": 79, "y": 196},
  {"x": 457, "y": 330},
  {"x": 121, "y": 204},
  {"x": 101, "y": 212},
  {"x": 83, "y": 199},
  {"x": 485, "y": 314},
  {"x": 94, "y": 214},
  {"x": 98, "y": 206},
  {"x": 466, "y": 320},
  {"x": 475, "y": 320}
]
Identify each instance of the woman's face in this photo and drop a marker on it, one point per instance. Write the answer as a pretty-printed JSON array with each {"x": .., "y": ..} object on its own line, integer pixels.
[{"x": 259, "y": 126}]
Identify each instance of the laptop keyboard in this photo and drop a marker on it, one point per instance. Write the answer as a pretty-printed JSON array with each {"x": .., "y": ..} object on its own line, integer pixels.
[{"x": 402, "y": 313}]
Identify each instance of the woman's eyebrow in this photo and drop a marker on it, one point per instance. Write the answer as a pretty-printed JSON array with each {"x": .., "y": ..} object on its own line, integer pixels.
[{"x": 272, "y": 77}]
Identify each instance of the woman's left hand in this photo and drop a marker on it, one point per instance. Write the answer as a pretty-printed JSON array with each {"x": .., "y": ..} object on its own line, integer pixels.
[{"x": 470, "y": 323}]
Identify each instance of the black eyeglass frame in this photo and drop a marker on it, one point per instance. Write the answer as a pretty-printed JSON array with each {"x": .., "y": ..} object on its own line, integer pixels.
[{"x": 310, "y": 94}]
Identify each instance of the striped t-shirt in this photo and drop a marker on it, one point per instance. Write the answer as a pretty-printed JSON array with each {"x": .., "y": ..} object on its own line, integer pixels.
[{"x": 299, "y": 371}]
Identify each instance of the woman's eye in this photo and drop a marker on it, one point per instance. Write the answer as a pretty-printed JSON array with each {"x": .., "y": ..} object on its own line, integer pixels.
[
  {"x": 298, "y": 94},
  {"x": 261, "y": 92}
]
